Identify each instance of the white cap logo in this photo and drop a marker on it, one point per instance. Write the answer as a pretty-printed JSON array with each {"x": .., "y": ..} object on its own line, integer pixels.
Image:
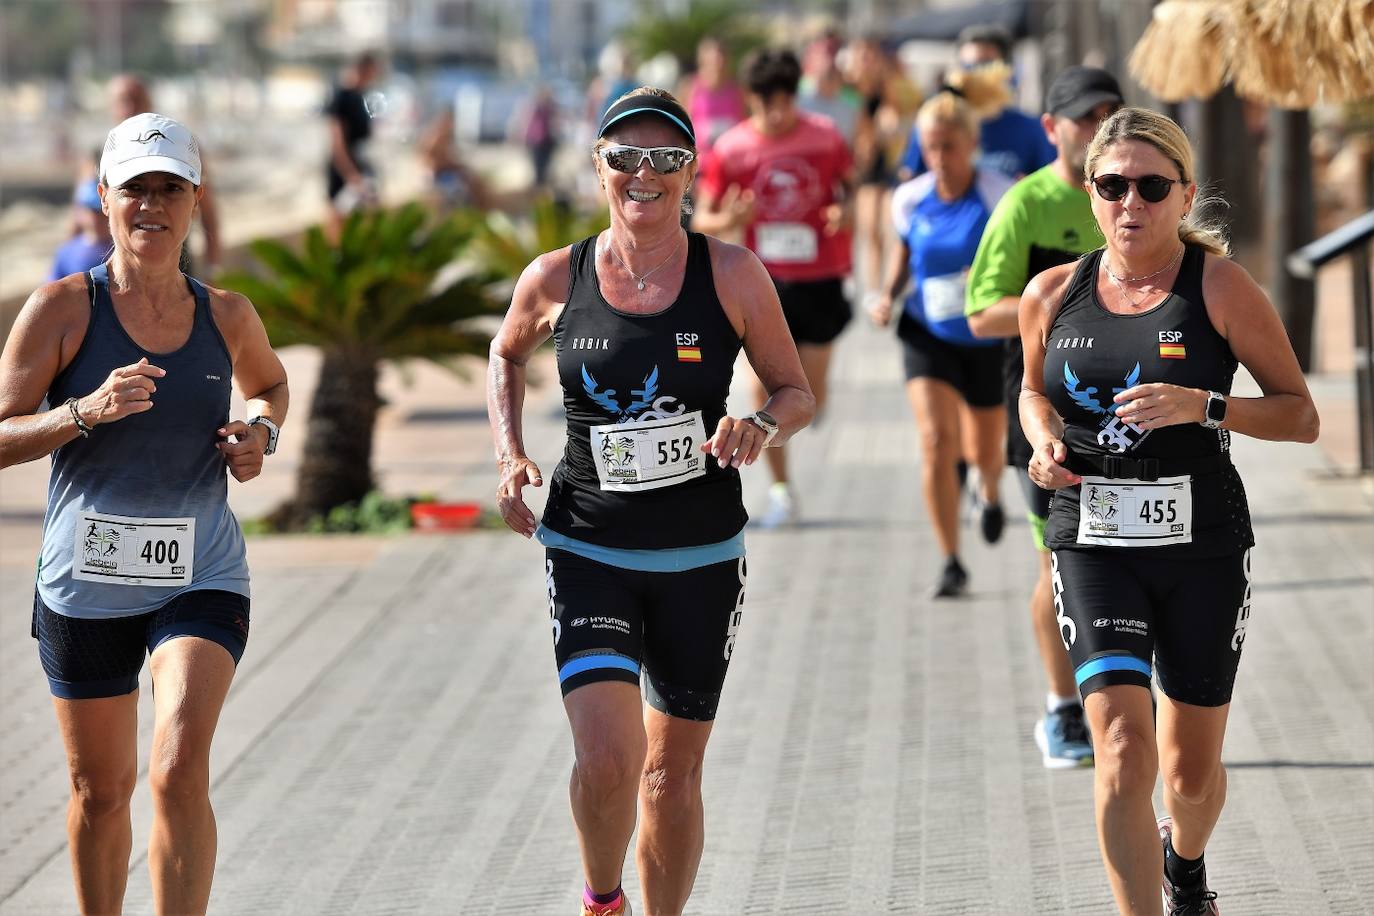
[{"x": 149, "y": 143}]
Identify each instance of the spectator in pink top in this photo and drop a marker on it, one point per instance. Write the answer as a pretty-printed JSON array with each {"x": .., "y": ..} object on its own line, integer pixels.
[{"x": 715, "y": 102}]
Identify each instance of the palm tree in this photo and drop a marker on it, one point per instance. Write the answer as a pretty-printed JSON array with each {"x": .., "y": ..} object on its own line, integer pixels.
[
  {"x": 655, "y": 32},
  {"x": 387, "y": 290},
  {"x": 504, "y": 246}
]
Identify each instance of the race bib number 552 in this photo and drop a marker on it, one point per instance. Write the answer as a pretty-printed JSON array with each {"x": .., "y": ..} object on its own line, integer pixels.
[
  {"x": 648, "y": 454},
  {"x": 122, "y": 550}
]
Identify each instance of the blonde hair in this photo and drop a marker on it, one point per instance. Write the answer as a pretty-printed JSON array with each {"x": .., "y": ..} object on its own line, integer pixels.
[
  {"x": 986, "y": 88},
  {"x": 1163, "y": 133},
  {"x": 947, "y": 108}
]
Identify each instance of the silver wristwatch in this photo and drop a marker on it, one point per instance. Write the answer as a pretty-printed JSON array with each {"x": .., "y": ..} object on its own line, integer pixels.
[
  {"x": 765, "y": 422},
  {"x": 272, "y": 432},
  {"x": 1215, "y": 414}
]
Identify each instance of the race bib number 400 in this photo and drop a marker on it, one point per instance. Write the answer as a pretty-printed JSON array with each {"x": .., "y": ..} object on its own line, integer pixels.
[
  {"x": 121, "y": 550},
  {"x": 785, "y": 243},
  {"x": 648, "y": 454},
  {"x": 1135, "y": 513}
]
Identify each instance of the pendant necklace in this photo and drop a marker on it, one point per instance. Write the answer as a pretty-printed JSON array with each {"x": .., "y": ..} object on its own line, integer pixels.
[{"x": 611, "y": 249}]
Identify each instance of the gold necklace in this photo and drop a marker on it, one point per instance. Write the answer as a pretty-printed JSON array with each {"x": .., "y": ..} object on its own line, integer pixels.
[{"x": 611, "y": 248}]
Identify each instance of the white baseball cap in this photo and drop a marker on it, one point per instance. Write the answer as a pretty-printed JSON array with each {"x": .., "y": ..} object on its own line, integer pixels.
[{"x": 149, "y": 143}]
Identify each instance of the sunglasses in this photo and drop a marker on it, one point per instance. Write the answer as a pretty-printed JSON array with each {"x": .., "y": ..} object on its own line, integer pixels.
[
  {"x": 662, "y": 159},
  {"x": 1152, "y": 188}
]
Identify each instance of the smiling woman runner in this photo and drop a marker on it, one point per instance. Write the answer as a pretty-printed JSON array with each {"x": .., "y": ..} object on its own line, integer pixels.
[
  {"x": 140, "y": 551},
  {"x": 1129, "y": 357},
  {"x": 644, "y": 524}
]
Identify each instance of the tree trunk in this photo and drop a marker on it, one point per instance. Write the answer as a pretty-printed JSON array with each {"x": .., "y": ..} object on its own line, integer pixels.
[{"x": 336, "y": 464}]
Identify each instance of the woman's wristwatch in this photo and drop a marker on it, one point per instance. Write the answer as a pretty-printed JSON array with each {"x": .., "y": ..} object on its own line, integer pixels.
[
  {"x": 765, "y": 422},
  {"x": 1215, "y": 414},
  {"x": 272, "y": 432}
]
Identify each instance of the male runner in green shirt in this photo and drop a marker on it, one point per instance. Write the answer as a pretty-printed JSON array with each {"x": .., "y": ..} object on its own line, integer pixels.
[{"x": 1044, "y": 220}]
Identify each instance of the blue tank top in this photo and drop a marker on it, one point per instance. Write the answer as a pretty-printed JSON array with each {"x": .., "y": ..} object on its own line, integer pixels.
[{"x": 119, "y": 500}]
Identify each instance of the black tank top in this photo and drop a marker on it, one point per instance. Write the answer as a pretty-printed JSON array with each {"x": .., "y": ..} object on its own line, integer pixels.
[
  {"x": 1092, "y": 354},
  {"x": 649, "y": 371}
]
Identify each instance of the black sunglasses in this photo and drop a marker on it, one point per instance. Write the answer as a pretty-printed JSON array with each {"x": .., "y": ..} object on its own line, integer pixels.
[
  {"x": 1152, "y": 188},
  {"x": 662, "y": 159}
]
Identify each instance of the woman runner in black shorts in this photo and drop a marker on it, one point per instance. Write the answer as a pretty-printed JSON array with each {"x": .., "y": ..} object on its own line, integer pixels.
[
  {"x": 643, "y": 530},
  {"x": 1129, "y": 358}
]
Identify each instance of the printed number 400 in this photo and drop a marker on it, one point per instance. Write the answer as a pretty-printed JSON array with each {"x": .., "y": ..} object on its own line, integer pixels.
[{"x": 160, "y": 552}]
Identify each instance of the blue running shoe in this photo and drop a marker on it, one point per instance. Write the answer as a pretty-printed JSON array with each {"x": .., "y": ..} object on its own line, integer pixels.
[{"x": 1063, "y": 739}]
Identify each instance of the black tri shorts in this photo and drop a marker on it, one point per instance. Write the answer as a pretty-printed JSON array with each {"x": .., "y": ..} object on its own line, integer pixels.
[
  {"x": 85, "y": 659},
  {"x": 816, "y": 310},
  {"x": 974, "y": 372},
  {"x": 679, "y": 628},
  {"x": 1121, "y": 610}
]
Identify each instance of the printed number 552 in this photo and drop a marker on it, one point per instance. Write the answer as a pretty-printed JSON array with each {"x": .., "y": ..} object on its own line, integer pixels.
[{"x": 671, "y": 451}]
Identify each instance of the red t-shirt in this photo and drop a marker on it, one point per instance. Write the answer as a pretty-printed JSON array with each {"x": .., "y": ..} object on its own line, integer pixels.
[{"x": 794, "y": 178}]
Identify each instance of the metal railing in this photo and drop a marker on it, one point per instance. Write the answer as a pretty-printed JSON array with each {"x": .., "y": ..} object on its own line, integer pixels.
[{"x": 1354, "y": 239}]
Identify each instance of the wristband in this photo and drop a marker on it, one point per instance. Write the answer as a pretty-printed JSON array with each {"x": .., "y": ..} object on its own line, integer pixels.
[{"x": 81, "y": 426}]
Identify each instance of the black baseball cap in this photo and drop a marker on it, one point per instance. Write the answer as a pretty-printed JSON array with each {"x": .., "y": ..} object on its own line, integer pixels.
[{"x": 1078, "y": 90}]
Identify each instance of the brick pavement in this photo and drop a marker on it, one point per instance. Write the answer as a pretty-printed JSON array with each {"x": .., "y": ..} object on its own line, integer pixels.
[{"x": 395, "y": 736}]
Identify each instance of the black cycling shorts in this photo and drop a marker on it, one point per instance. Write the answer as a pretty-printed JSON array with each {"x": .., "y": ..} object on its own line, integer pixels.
[
  {"x": 975, "y": 372},
  {"x": 1121, "y": 610},
  {"x": 85, "y": 659},
  {"x": 610, "y": 623},
  {"x": 816, "y": 310}
]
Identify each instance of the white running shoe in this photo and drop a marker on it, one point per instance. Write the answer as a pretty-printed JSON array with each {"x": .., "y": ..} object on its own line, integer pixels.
[{"x": 782, "y": 507}]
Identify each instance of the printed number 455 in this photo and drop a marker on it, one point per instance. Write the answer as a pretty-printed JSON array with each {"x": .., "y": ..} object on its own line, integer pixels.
[{"x": 1158, "y": 511}]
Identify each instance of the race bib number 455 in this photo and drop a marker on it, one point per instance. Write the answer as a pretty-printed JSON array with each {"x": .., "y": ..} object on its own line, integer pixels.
[
  {"x": 648, "y": 454},
  {"x": 1135, "y": 513},
  {"x": 121, "y": 550}
]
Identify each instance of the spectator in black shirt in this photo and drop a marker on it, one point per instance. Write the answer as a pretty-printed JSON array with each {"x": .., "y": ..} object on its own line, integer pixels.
[{"x": 350, "y": 123}]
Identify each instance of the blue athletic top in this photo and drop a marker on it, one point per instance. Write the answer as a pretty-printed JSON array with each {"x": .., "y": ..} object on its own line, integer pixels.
[
  {"x": 1012, "y": 142},
  {"x": 77, "y": 255},
  {"x": 131, "y": 484},
  {"x": 942, "y": 237}
]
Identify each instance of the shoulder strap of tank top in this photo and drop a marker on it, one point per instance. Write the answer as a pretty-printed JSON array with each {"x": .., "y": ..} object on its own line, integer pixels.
[
  {"x": 1189, "y": 282},
  {"x": 699, "y": 280},
  {"x": 582, "y": 265},
  {"x": 1079, "y": 287}
]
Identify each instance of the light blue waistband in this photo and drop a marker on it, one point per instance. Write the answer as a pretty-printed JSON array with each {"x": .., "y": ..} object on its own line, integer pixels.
[{"x": 674, "y": 559}]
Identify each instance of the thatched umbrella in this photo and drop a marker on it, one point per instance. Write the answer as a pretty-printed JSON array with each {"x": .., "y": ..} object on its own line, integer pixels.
[{"x": 1290, "y": 53}]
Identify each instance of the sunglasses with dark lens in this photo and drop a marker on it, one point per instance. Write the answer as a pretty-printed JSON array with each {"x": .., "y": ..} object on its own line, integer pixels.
[
  {"x": 1152, "y": 188},
  {"x": 662, "y": 159}
]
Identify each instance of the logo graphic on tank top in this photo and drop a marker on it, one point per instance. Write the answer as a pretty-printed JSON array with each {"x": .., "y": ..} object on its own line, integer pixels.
[
  {"x": 1171, "y": 345},
  {"x": 645, "y": 404},
  {"x": 1074, "y": 343},
  {"x": 1113, "y": 433},
  {"x": 688, "y": 347},
  {"x": 591, "y": 343}
]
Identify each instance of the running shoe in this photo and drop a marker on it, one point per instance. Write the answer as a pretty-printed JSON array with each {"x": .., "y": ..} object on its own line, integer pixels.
[
  {"x": 953, "y": 579},
  {"x": 620, "y": 909},
  {"x": 782, "y": 507},
  {"x": 1063, "y": 739},
  {"x": 1198, "y": 901},
  {"x": 991, "y": 520}
]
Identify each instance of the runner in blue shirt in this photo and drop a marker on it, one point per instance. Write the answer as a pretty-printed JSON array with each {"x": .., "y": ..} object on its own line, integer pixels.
[
  {"x": 1010, "y": 140},
  {"x": 953, "y": 378}
]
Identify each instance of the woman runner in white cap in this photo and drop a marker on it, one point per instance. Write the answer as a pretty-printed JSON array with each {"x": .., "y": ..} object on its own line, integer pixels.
[{"x": 122, "y": 374}]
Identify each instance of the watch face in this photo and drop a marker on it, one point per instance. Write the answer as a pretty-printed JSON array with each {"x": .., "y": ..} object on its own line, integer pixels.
[
  {"x": 1216, "y": 409},
  {"x": 766, "y": 418}
]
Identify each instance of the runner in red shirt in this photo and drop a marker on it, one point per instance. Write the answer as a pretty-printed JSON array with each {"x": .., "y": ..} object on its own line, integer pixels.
[{"x": 783, "y": 177}]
